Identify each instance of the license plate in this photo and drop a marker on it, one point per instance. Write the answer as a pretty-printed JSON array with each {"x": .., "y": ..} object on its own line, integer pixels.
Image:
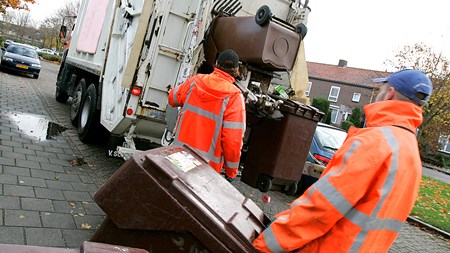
[{"x": 21, "y": 66}]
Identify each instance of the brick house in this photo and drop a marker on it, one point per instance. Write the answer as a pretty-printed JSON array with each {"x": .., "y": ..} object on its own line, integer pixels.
[{"x": 345, "y": 87}]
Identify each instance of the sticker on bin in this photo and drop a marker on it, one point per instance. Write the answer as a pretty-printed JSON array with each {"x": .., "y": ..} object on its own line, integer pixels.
[{"x": 183, "y": 161}]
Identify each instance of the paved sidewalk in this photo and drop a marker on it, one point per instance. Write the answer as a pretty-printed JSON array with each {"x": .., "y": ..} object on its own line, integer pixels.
[
  {"x": 46, "y": 195},
  {"x": 45, "y": 200}
]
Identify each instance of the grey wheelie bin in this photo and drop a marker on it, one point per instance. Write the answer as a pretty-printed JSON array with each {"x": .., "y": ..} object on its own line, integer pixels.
[
  {"x": 170, "y": 200},
  {"x": 277, "y": 149}
]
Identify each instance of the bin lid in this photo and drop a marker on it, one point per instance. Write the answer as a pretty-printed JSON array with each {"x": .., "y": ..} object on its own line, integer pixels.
[{"x": 199, "y": 186}]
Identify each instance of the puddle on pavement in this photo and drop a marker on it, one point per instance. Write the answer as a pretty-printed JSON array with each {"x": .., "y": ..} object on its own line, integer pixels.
[{"x": 37, "y": 126}]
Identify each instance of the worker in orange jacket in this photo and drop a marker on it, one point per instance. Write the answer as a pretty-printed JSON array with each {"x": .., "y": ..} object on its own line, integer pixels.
[
  {"x": 212, "y": 115},
  {"x": 368, "y": 189}
]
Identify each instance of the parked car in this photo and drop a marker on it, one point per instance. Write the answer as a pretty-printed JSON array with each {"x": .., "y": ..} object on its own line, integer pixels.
[
  {"x": 326, "y": 141},
  {"x": 6, "y": 43},
  {"x": 21, "y": 58},
  {"x": 48, "y": 51}
]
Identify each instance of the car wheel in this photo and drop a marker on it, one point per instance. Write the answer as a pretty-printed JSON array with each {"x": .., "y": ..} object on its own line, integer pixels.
[
  {"x": 35, "y": 76},
  {"x": 89, "y": 118},
  {"x": 263, "y": 15},
  {"x": 291, "y": 189},
  {"x": 80, "y": 90},
  {"x": 301, "y": 29},
  {"x": 263, "y": 183}
]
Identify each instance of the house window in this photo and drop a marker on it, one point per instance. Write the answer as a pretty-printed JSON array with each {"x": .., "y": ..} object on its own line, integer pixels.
[
  {"x": 308, "y": 90},
  {"x": 334, "y": 113},
  {"x": 356, "y": 97},
  {"x": 334, "y": 93},
  {"x": 445, "y": 141},
  {"x": 347, "y": 115}
]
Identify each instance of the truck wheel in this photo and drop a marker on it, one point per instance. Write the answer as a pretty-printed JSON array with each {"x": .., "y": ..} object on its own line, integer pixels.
[
  {"x": 80, "y": 90},
  {"x": 264, "y": 183},
  {"x": 60, "y": 95},
  {"x": 89, "y": 118},
  {"x": 302, "y": 29},
  {"x": 263, "y": 15},
  {"x": 291, "y": 189}
]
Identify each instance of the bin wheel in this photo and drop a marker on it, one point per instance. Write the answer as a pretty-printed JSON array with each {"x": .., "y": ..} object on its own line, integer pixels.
[
  {"x": 302, "y": 29},
  {"x": 264, "y": 183},
  {"x": 291, "y": 189},
  {"x": 263, "y": 15}
]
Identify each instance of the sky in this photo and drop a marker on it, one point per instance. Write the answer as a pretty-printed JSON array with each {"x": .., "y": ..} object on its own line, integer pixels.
[{"x": 364, "y": 33}]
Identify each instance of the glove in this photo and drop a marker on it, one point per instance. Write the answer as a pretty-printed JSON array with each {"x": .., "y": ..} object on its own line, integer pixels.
[{"x": 229, "y": 179}]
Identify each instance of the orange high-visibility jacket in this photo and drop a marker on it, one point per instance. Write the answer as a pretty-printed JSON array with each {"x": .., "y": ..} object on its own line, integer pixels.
[
  {"x": 212, "y": 118},
  {"x": 364, "y": 195}
]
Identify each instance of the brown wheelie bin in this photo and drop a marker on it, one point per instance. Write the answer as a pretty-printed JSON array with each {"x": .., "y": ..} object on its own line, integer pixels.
[
  {"x": 169, "y": 200},
  {"x": 277, "y": 149}
]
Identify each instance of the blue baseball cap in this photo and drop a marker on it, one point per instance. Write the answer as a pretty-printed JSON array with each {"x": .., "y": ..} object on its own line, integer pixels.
[{"x": 411, "y": 83}]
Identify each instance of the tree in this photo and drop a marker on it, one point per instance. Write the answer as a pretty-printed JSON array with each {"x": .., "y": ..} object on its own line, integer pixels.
[
  {"x": 51, "y": 25},
  {"x": 15, "y": 4},
  {"x": 322, "y": 104},
  {"x": 436, "y": 120},
  {"x": 357, "y": 116}
]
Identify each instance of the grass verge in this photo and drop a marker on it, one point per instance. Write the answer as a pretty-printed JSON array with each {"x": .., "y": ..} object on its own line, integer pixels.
[{"x": 433, "y": 204}]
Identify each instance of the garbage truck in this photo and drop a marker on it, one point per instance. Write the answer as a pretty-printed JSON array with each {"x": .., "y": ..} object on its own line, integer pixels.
[{"x": 125, "y": 55}]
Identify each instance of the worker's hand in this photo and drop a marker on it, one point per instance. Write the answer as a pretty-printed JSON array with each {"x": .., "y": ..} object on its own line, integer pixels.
[{"x": 229, "y": 179}]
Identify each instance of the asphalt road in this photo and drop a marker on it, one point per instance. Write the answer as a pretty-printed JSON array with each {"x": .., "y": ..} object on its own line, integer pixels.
[{"x": 410, "y": 239}]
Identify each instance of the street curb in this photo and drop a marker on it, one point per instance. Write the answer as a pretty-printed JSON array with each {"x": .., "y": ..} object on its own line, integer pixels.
[
  {"x": 429, "y": 227},
  {"x": 431, "y": 167}
]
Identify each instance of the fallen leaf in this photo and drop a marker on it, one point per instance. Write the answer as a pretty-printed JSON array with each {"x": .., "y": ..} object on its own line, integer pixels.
[
  {"x": 85, "y": 226},
  {"x": 21, "y": 216},
  {"x": 72, "y": 204}
]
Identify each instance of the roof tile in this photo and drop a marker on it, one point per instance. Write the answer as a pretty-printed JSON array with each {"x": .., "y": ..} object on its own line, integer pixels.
[{"x": 334, "y": 73}]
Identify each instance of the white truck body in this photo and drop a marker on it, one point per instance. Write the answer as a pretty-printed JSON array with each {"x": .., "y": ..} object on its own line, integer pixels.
[{"x": 149, "y": 45}]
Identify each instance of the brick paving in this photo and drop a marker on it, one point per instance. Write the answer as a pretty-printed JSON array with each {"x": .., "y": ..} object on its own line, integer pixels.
[{"x": 47, "y": 185}]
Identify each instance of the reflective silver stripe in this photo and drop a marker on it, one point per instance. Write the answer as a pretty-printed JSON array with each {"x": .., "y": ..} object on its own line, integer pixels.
[
  {"x": 231, "y": 164},
  {"x": 175, "y": 90},
  {"x": 322, "y": 184},
  {"x": 200, "y": 111},
  {"x": 234, "y": 125},
  {"x": 283, "y": 218},
  {"x": 271, "y": 241},
  {"x": 372, "y": 222}
]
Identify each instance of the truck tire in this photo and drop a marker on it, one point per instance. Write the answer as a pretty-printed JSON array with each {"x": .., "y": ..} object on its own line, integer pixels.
[
  {"x": 263, "y": 15},
  {"x": 60, "y": 95},
  {"x": 80, "y": 90},
  {"x": 89, "y": 118},
  {"x": 264, "y": 183}
]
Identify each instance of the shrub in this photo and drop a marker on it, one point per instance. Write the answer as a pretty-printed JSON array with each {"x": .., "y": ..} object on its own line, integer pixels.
[
  {"x": 357, "y": 116},
  {"x": 436, "y": 158},
  {"x": 323, "y": 105},
  {"x": 50, "y": 57},
  {"x": 346, "y": 125}
]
